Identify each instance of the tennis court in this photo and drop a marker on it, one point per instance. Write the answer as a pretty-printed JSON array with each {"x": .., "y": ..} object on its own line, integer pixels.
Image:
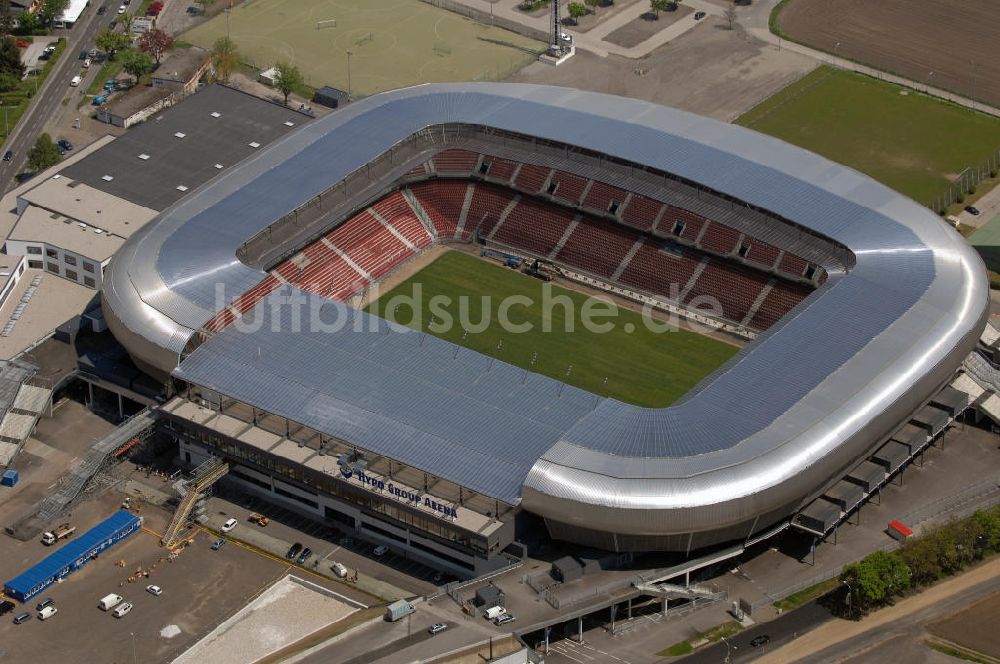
[{"x": 393, "y": 43}]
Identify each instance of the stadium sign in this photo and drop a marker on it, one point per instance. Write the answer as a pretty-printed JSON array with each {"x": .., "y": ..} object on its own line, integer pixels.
[{"x": 404, "y": 495}]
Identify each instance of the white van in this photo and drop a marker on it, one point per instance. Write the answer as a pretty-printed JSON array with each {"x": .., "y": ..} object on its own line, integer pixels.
[
  {"x": 339, "y": 570},
  {"x": 75, "y": 82},
  {"x": 47, "y": 612},
  {"x": 122, "y": 609},
  {"x": 494, "y": 612},
  {"x": 109, "y": 602}
]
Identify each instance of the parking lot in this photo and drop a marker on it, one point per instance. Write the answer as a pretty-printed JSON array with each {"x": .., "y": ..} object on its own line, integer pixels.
[{"x": 329, "y": 545}]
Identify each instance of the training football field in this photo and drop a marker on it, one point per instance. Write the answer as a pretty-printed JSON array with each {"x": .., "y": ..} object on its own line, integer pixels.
[
  {"x": 630, "y": 362},
  {"x": 393, "y": 43}
]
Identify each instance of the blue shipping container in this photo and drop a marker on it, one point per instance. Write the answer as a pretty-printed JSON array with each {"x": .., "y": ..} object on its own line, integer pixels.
[
  {"x": 9, "y": 478},
  {"x": 73, "y": 555}
]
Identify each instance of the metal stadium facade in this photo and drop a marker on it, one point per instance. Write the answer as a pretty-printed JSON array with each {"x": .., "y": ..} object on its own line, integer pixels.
[{"x": 902, "y": 301}]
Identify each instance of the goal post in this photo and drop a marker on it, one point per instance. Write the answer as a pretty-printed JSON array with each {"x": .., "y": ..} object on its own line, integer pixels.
[{"x": 326, "y": 23}]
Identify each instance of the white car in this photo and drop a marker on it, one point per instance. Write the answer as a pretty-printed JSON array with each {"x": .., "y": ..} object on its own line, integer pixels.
[
  {"x": 86, "y": 63},
  {"x": 380, "y": 550},
  {"x": 229, "y": 525},
  {"x": 122, "y": 609},
  {"x": 75, "y": 82},
  {"x": 122, "y": 9},
  {"x": 154, "y": 590}
]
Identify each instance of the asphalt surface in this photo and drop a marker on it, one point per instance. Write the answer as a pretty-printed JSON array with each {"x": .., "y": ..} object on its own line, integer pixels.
[
  {"x": 51, "y": 93},
  {"x": 781, "y": 630}
]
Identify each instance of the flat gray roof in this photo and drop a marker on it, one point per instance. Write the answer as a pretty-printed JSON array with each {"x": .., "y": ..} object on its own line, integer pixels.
[{"x": 190, "y": 161}]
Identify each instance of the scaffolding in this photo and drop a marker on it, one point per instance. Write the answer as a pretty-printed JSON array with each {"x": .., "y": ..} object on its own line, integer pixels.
[{"x": 202, "y": 479}]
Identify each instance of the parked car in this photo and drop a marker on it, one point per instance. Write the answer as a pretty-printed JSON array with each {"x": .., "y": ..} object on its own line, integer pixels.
[
  {"x": 304, "y": 556},
  {"x": 122, "y": 9},
  {"x": 193, "y": 10},
  {"x": 86, "y": 63},
  {"x": 761, "y": 640},
  {"x": 122, "y": 609},
  {"x": 504, "y": 619},
  {"x": 380, "y": 550},
  {"x": 82, "y": 56},
  {"x": 99, "y": 99},
  {"x": 154, "y": 590},
  {"x": 75, "y": 82},
  {"x": 64, "y": 144},
  {"x": 437, "y": 628},
  {"x": 339, "y": 570},
  {"x": 6, "y": 607},
  {"x": 293, "y": 551},
  {"x": 972, "y": 209},
  {"x": 8, "y": 155},
  {"x": 113, "y": 24},
  {"x": 48, "y": 601},
  {"x": 229, "y": 525},
  {"x": 92, "y": 53},
  {"x": 217, "y": 544},
  {"x": 47, "y": 612},
  {"x": 21, "y": 617},
  {"x": 699, "y": 15},
  {"x": 102, "y": 10},
  {"x": 45, "y": 56}
]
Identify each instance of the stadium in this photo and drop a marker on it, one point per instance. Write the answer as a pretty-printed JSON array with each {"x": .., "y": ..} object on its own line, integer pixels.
[{"x": 858, "y": 306}]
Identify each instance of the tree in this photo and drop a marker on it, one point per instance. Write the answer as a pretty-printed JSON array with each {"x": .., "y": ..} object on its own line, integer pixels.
[
  {"x": 577, "y": 11},
  {"x": 225, "y": 58},
  {"x": 126, "y": 20},
  {"x": 731, "y": 16},
  {"x": 155, "y": 42},
  {"x": 43, "y": 154},
  {"x": 136, "y": 63},
  {"x": 6, "y": 18},
  {"x": 10, "y": 58},
  {"x": 111, "y": 42},
  {"x": 658, "y": 6},
  {"x": 26, "y": 23},
  {"x": 875, "y": 579},
  {"x": 51, "y": 10},
  {"x": 8, "y": 82},
  {"x": 289, "y": 78},
  {"x": 592, "y": 5}
]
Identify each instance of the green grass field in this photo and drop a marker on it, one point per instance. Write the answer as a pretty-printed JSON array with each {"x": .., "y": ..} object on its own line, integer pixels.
[
  {"x": 394, "y": 43},
  {"x": 643, "y": 367},
  {"x": 913, "y": 143}
]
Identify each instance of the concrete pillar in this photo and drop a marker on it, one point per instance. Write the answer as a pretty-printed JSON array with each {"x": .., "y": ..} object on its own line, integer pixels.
[
  {"x": 579, "y": 629},
  {"x": 121, "y": 409},
  {"x": 90, "y": 395},
  {"x": 664, "y": 607},
  {"x": 630, "y": 608}
]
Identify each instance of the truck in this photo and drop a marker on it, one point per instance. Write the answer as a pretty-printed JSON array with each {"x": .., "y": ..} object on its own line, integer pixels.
[
  {"x": 62, "y": 532},
  {"x": 109, "y": 602},
  {"x": 259, "y": 519},
  {"x": 398, "y": 609},
  {"x": 494, "y": 612}
]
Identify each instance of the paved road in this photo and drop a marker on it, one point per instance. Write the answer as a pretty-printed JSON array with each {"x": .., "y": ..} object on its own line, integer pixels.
[{"x": 44, "y": 104}]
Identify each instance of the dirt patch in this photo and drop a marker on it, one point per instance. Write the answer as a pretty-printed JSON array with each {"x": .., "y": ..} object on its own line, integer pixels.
[
  {"x": 709, "y": 71},
  {"x": 974, "y": 627},
  {"x": 947, "y": 43},
  {"x": 647, "y": 25}
]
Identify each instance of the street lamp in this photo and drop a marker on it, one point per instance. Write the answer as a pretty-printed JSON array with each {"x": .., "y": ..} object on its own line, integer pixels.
[
  {"x": 927, "y": 84},
  {"x": 850, "y": 599},
  {"x": 349, "y": 54},
  {"x": 973, "y": 62},
  {"x": 729, "y": 649}
]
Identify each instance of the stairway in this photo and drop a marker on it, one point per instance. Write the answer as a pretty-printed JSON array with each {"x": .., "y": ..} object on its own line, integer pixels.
[{"x": 203, "y": 477}]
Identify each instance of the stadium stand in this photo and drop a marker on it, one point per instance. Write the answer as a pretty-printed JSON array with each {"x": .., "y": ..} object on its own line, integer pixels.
[
  {"x": 654, "y": 269},
  {"x": 597, "y": 247},
  {"x": 600, "y": 196},
  {"x": 641, "y": 212},
  {"x": 324, "y": 273},
  {"x": 369, "y": 244},
  {"x": 761, "y": 253},
  {"x": 735, "y": 287},
  {"x": 395, "y": 209},
  {"x": 442, "y": 200},
  {"x": 567, "y": 187},
  {"x": 782, "y": 298},
  {"x": 455, "y": 161},
  {"x": 534, "y": 226},
  {"x": 531, "y": 179},
  {"x": 501, "y": 169},
  {"x": 718, "y": 238},
  {"x": 487, "y": 204},
  {"x": 792, "y": 264}
]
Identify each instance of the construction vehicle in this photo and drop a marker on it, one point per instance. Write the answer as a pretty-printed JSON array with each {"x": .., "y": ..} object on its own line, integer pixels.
[
  {"x": 51, "y": 537},
  {"x": 537, "y": 270},
  {"x": 259, "y": 519},
  {"x": 510, "y": 260}
]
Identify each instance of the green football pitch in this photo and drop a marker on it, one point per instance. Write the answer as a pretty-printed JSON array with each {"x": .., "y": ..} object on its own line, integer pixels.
[
  {"x": 913, "y": 143},
  {"x": 630, "y": 362},
  {"x": 393, "y": 43}
]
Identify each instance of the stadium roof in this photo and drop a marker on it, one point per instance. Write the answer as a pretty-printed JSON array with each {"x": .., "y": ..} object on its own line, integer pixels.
[
  {"x": 189, "y": 161},
  {"x": 788, "y": 414}
]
